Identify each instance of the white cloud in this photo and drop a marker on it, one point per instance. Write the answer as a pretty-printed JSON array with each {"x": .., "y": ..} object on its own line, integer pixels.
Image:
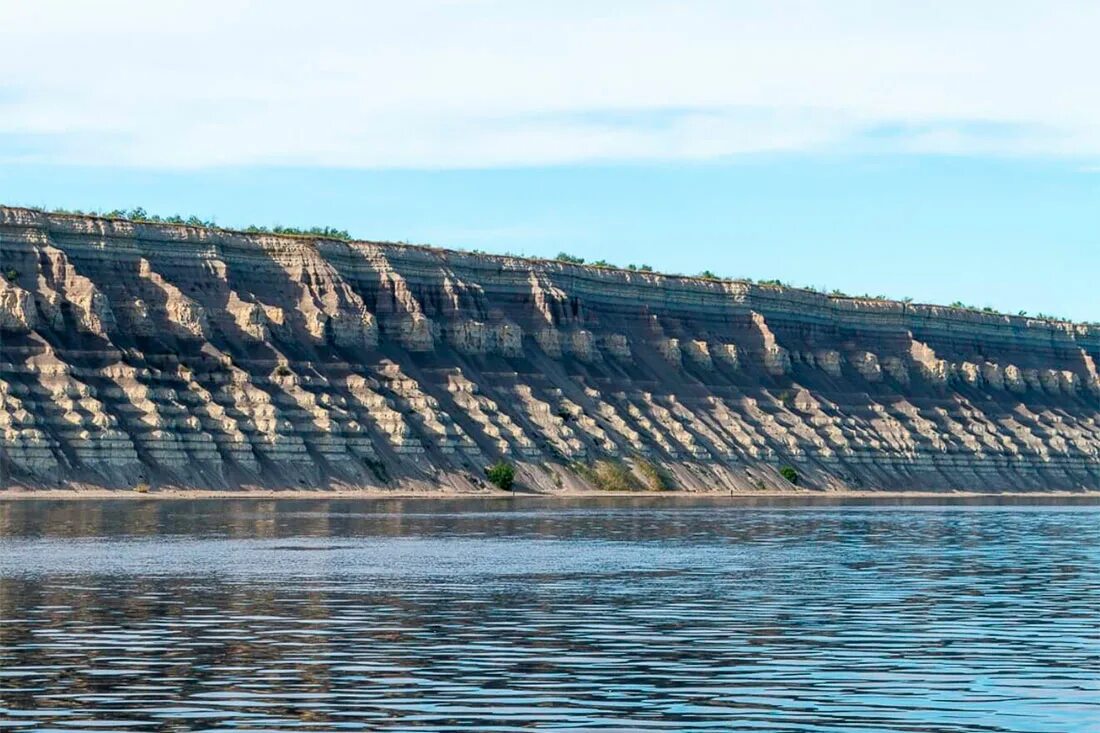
[{"x": 454, "y": 84}]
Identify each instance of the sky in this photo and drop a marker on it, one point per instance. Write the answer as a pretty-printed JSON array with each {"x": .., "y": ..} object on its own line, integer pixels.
[{"x": 944, "y": 151}]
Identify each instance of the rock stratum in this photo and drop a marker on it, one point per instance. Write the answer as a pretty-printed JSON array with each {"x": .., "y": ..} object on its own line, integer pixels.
[{"x": 192, "y": 357}]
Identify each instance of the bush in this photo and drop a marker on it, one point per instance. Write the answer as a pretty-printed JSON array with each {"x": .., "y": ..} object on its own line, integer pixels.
[
  {"x": 11, "y": 275},
  {"x": 566, "y": 257},
  {"x": 142, "y": 488},
  {"x": 790, "y": 474},
  {"x": 501, "y": 475}
]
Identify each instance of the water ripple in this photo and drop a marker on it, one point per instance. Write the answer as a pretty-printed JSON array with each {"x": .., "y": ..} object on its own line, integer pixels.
[{"x": 636, "y": 617}]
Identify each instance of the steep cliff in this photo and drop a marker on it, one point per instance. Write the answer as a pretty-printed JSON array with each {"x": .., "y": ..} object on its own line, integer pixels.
[{"x": 176, "y": 355}]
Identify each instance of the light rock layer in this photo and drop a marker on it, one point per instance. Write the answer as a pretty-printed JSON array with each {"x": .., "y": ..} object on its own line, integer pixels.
[{"x": 171, "y": 355}]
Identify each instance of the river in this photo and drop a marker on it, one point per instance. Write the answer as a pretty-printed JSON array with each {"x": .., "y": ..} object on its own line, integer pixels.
[{"x": 731, "y": 614}]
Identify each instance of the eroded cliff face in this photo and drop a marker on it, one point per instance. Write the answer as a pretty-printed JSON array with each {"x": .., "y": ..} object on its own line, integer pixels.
[{"x": 190, "y": 357}]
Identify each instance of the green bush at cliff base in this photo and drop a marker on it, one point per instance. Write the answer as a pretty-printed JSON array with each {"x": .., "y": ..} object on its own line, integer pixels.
[
  {"x": 12, "y": 275},
  {"x": 790, "y": 474},
  {"x": 501, "y": 475}
]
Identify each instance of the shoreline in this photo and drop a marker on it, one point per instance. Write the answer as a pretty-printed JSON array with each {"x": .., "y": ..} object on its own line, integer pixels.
[{"x": 328, "y": 494}]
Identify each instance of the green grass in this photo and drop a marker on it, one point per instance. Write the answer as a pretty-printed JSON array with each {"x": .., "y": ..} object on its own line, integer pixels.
[
  {"x": 609, "y": 475},
  {"x": 655, "y": 478}
]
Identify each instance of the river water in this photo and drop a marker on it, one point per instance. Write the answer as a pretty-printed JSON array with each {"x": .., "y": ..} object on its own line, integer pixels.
[{"x": 497, "y": 614}]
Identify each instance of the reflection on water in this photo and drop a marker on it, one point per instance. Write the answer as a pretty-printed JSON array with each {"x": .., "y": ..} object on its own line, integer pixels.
[{"x": 763, "y": 615}]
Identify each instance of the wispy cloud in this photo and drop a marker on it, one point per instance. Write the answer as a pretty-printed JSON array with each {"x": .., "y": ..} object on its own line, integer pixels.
[{"x": 483, "y": 84}]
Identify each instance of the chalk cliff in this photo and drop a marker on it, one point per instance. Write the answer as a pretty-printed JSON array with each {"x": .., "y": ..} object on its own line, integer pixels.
[{"x": 184, "y": 356}]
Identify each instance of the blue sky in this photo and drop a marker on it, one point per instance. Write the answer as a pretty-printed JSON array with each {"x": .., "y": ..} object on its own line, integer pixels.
[{"x": 937, "y": 152}]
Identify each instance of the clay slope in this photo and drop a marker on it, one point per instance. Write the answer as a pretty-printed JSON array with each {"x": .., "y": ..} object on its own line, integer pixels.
[{"x": 193, "y": 357}]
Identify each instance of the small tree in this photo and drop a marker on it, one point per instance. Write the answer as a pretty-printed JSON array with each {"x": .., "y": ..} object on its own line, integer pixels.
[
  {"x": 501, "y": 475},
  {"x": 566, "y": 257},
  {"x": 790, "y": 474}
]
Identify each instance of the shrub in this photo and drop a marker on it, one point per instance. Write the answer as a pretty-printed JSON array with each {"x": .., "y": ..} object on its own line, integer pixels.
[
  {"x": 11, "y": 275},
  {"x": 790, "y": 474},
  {"x": 566, "y": 257},
  {"x": 141, "y": 488},
  {"x": 282, "y": 371},
  {"x": 501, "y": 475}
]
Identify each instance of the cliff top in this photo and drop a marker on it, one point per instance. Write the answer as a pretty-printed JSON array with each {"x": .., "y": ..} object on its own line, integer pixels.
[{"x": 137, "y": 217}]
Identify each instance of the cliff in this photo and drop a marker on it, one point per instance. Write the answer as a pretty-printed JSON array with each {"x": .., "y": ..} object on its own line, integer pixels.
[{"x": 199, "y": 357}]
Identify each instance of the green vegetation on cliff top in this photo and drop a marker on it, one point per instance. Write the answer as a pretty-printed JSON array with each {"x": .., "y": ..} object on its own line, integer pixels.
[{"x": 140, "y": 215}]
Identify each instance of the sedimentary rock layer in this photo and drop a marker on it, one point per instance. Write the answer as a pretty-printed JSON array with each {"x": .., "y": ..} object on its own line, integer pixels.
[{"x": 194, "y": 357}]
